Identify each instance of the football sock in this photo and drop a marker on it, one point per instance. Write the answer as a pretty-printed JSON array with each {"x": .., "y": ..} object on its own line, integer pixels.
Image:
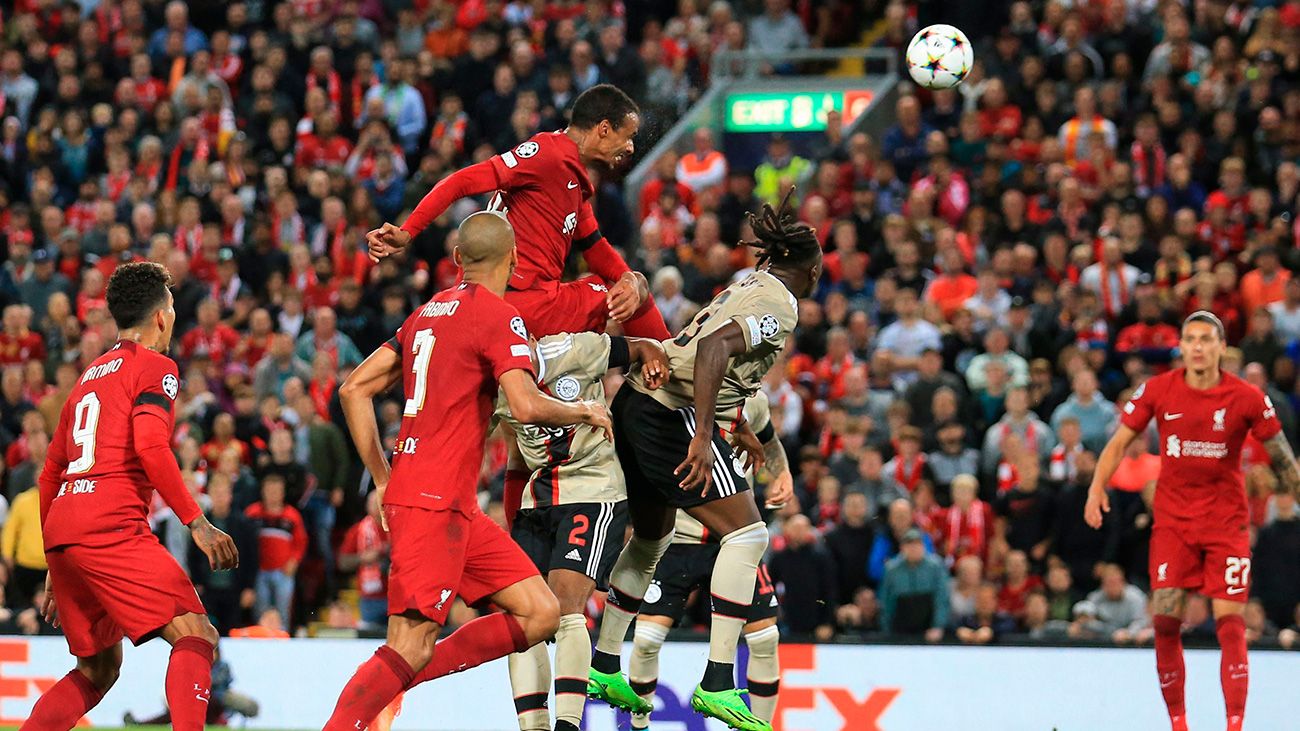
[
  {"x": 1169, "y": 663},
  {"x": 572, "y": 662},
  {"x": 474, "y": 643},
  {"x": 731, "y": 591},
  {"x": 647, "y": 322},
  {"x": 189, "y": 683},
  {"x": 375, "y": 684},
  {"x": 628, "y": 581},
  {"x": 566, "y": 726},
  {"x": 1234, "y": 668},
  {"x": 763, "y": 676},
  {"x": 643, "y": 668},
  {"x": 530, "y": 680},
  {"x": 63, "y": 705}
]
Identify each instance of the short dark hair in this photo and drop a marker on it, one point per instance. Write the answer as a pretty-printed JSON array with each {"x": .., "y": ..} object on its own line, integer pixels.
[
  {"x": 1208, "y": 318},
  {"x": 136, "y": 291},
  {"x": 602, "y": 102}
]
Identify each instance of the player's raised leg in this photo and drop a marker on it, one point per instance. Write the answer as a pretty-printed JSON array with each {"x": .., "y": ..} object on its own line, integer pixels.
[{"x": 63, "y": 705}]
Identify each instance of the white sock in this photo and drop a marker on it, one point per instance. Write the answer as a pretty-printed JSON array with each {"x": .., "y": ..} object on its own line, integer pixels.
[
  {"x": 643, "y": 669},
  {"x": 764, "y": 671}
]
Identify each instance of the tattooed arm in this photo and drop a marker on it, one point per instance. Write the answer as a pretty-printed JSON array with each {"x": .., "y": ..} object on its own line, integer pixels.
[
  {"x": 1284, "y": 463},
  {"x": 781, "y": 489}
]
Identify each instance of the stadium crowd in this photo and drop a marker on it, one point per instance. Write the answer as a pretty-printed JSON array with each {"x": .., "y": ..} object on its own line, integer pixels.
[{"x": 1004, "y": 266}]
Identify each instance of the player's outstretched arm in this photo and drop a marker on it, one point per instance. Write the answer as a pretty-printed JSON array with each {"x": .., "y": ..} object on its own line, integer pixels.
[
  {"x": 374, "y": 376},
  {"x": 474, "y": 180},
  {"x": 712, "y": 353},
  {"x": 1107, "y": 463},
  {"x": 531, "y": 406},
  {"x": 654, "y": 361},
  {"x": 1284, "y": 462}
]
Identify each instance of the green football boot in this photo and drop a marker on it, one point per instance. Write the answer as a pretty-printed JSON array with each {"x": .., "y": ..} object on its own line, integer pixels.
[
  {"x": 729, "y": 707},
  {"x": 613, "y": 689}
]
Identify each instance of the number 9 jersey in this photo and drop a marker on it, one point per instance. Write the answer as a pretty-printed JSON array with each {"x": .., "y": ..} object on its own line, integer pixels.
[{"x": 103, "y": 494}]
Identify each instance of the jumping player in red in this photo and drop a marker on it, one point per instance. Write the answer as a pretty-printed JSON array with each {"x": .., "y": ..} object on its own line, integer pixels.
[
  {"x": 1201, "y": 539},
  {"x": 111, "y": 576},
  {"x": 546, "y": 195},
  {"x": 450, "y": 355}
]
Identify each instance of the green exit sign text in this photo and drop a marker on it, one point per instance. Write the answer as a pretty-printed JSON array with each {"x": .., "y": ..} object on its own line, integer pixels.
[{"x": 792, "y": 111}]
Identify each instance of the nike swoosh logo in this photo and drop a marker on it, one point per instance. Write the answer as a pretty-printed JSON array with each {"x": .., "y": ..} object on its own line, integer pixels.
[
  {"x": 1238, "y": 590},
  {"x": 1166, "y": 685},
  {"x": 571, "y": 185},
  {"x": 1171, "y": 417}
]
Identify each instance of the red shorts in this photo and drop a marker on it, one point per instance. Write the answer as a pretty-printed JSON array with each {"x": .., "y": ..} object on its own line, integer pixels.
[
  {"x": 438, "y": 555},
  {"x": 562, "y": 307},
  {"x": 1214, "y": 563},
  {"x": 132, "y": 588}
]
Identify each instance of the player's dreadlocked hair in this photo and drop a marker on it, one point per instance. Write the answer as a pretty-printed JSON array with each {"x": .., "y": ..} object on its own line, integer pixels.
[{"x": 780, "y": 238}]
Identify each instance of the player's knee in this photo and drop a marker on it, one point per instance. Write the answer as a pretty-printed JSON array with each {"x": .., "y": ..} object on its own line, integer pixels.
[
  {"x": 102, "y": 670},
  {"x": 648, "y": 639},
  {"x": 763, "y": 642},
  {"x": 753, "y": 537},
  {"x": 541, "y": 617}
]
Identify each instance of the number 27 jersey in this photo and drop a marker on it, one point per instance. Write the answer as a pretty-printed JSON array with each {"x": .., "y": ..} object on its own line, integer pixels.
[
  {"x": 454, "y": 350},
  {"x": 1201, "y": 433}
]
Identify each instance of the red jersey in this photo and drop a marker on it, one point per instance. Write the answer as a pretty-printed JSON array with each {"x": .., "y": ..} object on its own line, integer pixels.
[
  {"x": 218, "y": 346},
  {"x": 544, "y": 191},
  {"x": 104, "y": 494},
  {"x": 18, "y": 349},
  {"x": 281, "y": 536},
  {"x": 1201, "y": 433},
  {"x": 368, "y": 535},
  {"x": 454, "y": 349}
]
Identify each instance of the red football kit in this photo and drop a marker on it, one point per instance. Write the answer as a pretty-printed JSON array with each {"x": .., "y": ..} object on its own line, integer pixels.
[
  {"x": 109, "y": 453},
  {"x": 454, "y": 349},
  {"x": 545, "y": 194},
  {"x": 1201, "y": 539}
]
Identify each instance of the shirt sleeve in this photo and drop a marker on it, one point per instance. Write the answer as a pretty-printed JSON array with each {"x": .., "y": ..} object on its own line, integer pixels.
[
  {"x": 156, "y": 389},
  {"x": 504, "y": 339},
  {"x": 1140, "y": 408},
  {"x": 520, "y": 166},
  {"x": 766, "y": 322},
  {"x": 1261, "y": 415}
]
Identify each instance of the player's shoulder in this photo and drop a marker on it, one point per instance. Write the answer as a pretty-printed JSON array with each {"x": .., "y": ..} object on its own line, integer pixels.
[
  {"x": 1241, "y": 388},
  {"x": 540, "y": 145},
  {"x": 1158, "y": 385}
]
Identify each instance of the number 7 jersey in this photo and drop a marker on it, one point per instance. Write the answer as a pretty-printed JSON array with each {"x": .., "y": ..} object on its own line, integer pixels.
[
  {"x": 765, "y": 311},
  {"x": 103, "y": 494},
  {"x": 454, "y": 350}
]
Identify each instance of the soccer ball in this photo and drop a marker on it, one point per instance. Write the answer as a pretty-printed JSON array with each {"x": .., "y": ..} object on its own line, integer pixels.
[{"x": 939, "y": 57}]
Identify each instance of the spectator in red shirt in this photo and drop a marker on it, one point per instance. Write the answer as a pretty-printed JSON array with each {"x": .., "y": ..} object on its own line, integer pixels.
[
  {"x": 1016, "y": 585},
  {"x": 282, "y": 542},
  {"x": 830, "y": 370},
  {"x": 365, "y": 551},
  {"x": 966, "y": 527},
  {"x": 223, "y": 438},
  {"x": 323, "y": 147},
  {"x": 1150, "y": 338},
  {"x": 953, "y": 286},
  {"x": 998, "y": 117},
  {"x": 1266, "y": 283},
  {"x": 211, "y": 338},
  {"x": 254, "y": 345},
  {"x": 18, "y": 343}
]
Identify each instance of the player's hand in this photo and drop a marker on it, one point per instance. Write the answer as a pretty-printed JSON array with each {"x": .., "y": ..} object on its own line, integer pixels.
[
  {"x": 216, "y": 545},
  {"x": 627, "y": 295},
  {"x": 746, "y": 443},
  {"x": 779, "y": 491},
  {"x": 50, "y": 612},
  {"x": 596, "y": 415},
  {"x": 386, "y": 240},
  {"x": 655, "y": 369},
  {"x": 696, "y": 470},
  {"x": 1098, "y": 503}
]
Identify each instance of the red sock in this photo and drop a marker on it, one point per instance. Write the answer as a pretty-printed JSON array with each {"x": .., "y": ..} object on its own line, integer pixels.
[
  {"x": 60, "y": 707},
  {"x": 647, "y": 322},
  {"x": 482, "y": 640},
  {"x": 1169, "y": 664},
  {"x": 1234, "y": 669},
  {"x": 189, "y": 682},
  {"x": 516, "y": 481},
  {"x": 375, "y": 684}
]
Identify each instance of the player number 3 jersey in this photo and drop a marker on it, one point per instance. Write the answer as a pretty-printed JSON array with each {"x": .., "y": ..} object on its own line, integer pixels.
[
  {"x": 572, "y": 464},
  {"x": 765, "y": 311},
  {"x": 1201, "y": 433}
]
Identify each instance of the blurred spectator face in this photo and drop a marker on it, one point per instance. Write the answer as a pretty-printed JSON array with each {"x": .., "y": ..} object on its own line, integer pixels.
[
  {"x": 968, "y": 571},
  {"x": 853, "y": 511},
  {"x": 963, "y": 491},
  {"x": 273, "y": 492},
  {"x": 913, "y": 551},
  {"x": 798, "y": 531},
  {"x": 1113, "y": 583},
  {"x": 1070, "y": 432},
  {"x": 900, "y": 516},
  {"x": 1059, "y": 579},
  {"x": 1017, "y": 402},
  {"x": 1036, "y": 611},
  {"x": 1085, "y": 384},
  {"x": 1017, "y": 567},
  {"x": 1285, "y": 505}
]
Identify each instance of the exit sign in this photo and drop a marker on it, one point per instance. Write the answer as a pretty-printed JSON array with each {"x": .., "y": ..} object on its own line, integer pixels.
[{"x": 792, "y": 111}]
